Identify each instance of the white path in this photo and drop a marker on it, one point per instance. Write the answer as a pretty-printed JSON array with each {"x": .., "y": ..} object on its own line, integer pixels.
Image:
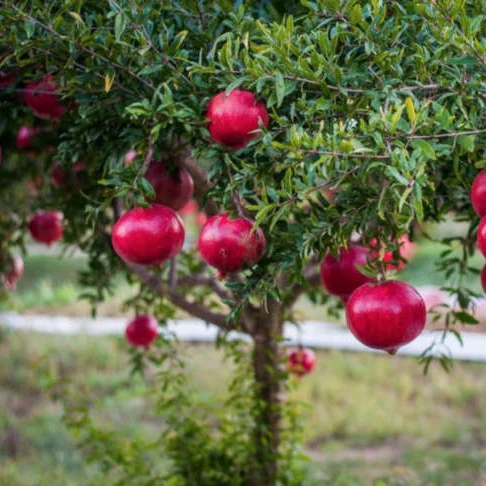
[{"x": 312, "y": 333}]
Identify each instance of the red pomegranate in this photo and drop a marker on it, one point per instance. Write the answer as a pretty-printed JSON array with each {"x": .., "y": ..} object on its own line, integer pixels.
[
  {"x": 229, "y": 245},
  {"x": 148, "y": 236},
  {"x": 24, "y": 137},
  {"x": 16, "y": 269},
  {"x": 234, "y": 118},
  {"x": 42, "y": 98},
  {"x": 301, "y": 361},
  {"x": 481, "y": 236},
  {"x": 478, "y": 194},
  {"x": 65, "y": 179},
  {"x": 172, "y": 190},
  {"x": 386, "y": 315},
  {"x": 142, "y": 330},
  {"x": 341, "y": 276},
  {"x": 46, "y": 226}
]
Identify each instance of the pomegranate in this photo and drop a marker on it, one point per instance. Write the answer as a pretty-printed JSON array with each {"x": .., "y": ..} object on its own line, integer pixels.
[
  {"x": 16, "y": 269},
  {"x": 71, "y": 178},
  {"x": 229, "y": 245},
  {"x": 174, "y": 191},
  {"x": 301, "y": 361},
  {"x": 481, "y": 236},
  {"x": 42, "y": 98},
  {"x": 148, "y": 236},
  {"x": 142, "y": 330},
  {"x": 386, "y": 315},
  {"x": 46, "y": 226},
  {"x": 478, "y": 193},
  {"x": 24, "y": 137},
  {"x": 234, "y": 118},
  {"x": 341, "y": 277}
]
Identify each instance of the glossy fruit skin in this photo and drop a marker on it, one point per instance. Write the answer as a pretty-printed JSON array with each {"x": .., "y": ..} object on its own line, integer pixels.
[
  {"x": 341, "y": 276},
  {"x": 483, "y": 278},
  {"x": 233, "y": 117},
  {"x": 142, "y": 330},
  {"x": 148, "y": 236},
  {"x": 386, "y": 315},
  {"x": 15, "y": 272},
  {"x": 174, "y": 191},
  {"x": 24, "y": 137},
  {"x": 301, "y": 361},
  {"x": 42, "y": 98},
  {"x": 478, "y": 194},
  {"x": 62, "y": 179},
  {"x": 228, "y": 244},
  {"x": 481, "y": 236},
  {"x": 46, "y": 226}
]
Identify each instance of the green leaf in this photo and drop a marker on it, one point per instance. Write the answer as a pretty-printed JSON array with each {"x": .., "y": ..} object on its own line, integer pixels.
[
  {"x": 356, "y": 15},
  {"x": 120, "y": 25},
  {"x": 425, "y": 148},
  {"x": 279, "y": 88},
  {"x": 465, "y": 318}
]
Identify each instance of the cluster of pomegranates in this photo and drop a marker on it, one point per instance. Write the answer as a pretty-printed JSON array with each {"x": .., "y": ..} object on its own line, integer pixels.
[
  {"x": 478, "y": 200},
  {"x": 382, "y": 315}
]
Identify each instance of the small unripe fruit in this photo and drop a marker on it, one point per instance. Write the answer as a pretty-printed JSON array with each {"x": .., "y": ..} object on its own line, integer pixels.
[
  {"x": 229, "y": 245},
  {"x": 46, "y": 226},
  {"x": 148, "y": 236},
  {"x": 301, "y": 361},
  {"x": 142, "y": 330},
  {"x": 234, "y": 119},
  {"x": 386, "y": 315},
  {"x": 172, "y": 190}
]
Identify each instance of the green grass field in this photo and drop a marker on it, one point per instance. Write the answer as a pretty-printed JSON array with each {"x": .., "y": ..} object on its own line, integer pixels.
[{"x": 370, "y": 418}]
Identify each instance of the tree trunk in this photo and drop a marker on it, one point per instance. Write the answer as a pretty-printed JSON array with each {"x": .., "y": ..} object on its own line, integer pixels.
[{"x": 266, "y": 364}]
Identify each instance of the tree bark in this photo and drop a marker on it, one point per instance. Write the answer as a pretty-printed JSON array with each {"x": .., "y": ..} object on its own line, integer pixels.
[{"x": 266, "y": 365}]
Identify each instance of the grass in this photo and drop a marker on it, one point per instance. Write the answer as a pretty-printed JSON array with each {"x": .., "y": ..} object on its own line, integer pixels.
[{"x": 369, "y": 418}]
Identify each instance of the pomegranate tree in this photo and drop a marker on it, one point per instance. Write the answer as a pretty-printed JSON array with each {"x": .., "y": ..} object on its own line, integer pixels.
[{"x": 296, "y": 116}]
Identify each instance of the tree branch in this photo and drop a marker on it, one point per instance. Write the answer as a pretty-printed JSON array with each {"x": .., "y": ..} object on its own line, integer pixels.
[
  {"x": 195, "y": 309},
  {"x": 202, "y": 280}
]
